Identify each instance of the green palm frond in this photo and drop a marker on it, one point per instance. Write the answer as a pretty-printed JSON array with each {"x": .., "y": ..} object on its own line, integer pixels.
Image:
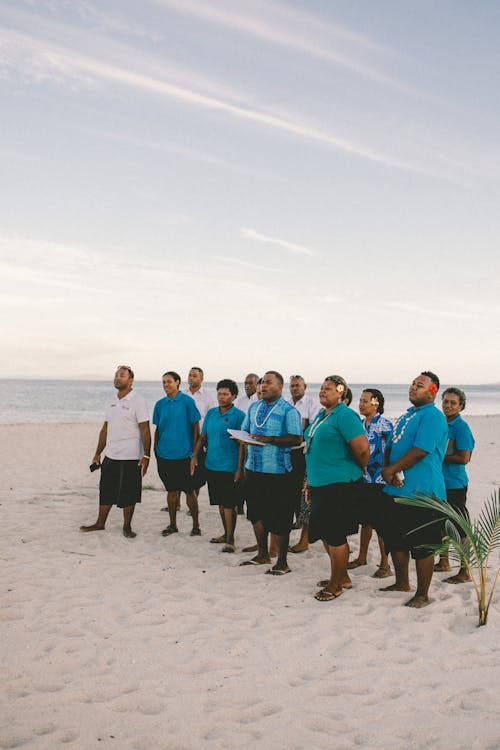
[{"x": 468, "y": 542}]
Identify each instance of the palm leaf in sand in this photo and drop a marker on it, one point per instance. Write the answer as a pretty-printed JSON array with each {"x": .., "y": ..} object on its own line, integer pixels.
[{"x": 471, "y": 546}]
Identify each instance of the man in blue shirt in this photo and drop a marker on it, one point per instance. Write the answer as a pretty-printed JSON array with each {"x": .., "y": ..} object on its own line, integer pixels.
[
  {"x": 268, "y": 489},
  {"x": 415, "y": 457},
  {"x": 177, "y": 429}
]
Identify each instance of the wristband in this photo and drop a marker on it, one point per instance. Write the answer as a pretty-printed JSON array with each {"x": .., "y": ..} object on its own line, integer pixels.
[{"x": 148, "y": 457}]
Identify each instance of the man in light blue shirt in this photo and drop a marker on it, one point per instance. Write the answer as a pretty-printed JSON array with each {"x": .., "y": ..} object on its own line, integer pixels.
[
  {"x": 268, "y": 489},
  {"x": 417, "y": 449}
]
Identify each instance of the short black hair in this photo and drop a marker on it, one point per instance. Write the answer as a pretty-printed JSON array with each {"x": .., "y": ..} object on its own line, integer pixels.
[
  {"x": 456, "y": 392},
  {"x": 173, "y": 375},
  {"x": 199, "y": 370},
  {"x": 277, "y": 375},
  {"x": 433, "y": 377},
  {"x": 379, "y": 396},
  {"x": 230, "y": 384}
]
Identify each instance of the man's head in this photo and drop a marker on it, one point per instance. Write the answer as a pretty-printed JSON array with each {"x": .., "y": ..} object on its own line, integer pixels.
[
  {"x": 124, "y": 379},
  {"x": 424, "y": 388},
  {"x": 171, "y": 383},
  {"x": 272, "y": 385},
  {"x": 227, "y": 390},
  {"x": 347, "y": 400},
  {"x": 195, "y": 378},
  {"x": 297, "y": 387},
  {"x": 251, "y": 384}
]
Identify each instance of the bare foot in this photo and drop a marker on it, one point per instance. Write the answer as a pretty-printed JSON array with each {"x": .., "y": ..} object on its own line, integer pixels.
[
  {"x": 94, "y": 527},
  {"x": 459, "y": 578},
  {"x": 253, "y": 548},
  {"x": 298, "y": 547},
  {"x": 129, "y": 533},
  {"x": 418, "y": 601},
  {"x": 325, "y": 595},
  {"x": 357, "y": 563},
  {"x": 256, "y": 561},
  {"x": 397, "y": 587},
  {"x": 442, "y": 567}
]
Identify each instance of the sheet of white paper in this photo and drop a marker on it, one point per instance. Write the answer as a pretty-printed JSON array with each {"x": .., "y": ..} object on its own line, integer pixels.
[{"x": 244, "y": 437}]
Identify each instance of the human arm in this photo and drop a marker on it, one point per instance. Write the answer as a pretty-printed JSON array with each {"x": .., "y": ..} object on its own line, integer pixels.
[
  {"x": 101, "y": 443},
  {"x": 146, "y": 444},
  {"x": 360, "y": 449},
  {"x": 407, "y": 460},
  {"x": 239, "y": 473},
  {"x": 198, "y": 445},
  {"x": 459, "y": 457}
]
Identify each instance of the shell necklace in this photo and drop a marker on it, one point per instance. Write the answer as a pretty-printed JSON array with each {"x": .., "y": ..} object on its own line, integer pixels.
[
  {"x": 396, "y": 437},
  {"x": 317, "y": 423},
  {"x": 261, "y": 424}
]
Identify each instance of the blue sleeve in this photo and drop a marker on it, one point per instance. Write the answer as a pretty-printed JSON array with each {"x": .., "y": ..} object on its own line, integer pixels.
[
  {"x": 464, "y": 440},
  {"x": 293, "y": 422},
  {"x": 429, "y": 431},
  {"x": 155, "y": 414},
  {"x": 194, "y": 414},
  {"x": 240, "y": 418}
]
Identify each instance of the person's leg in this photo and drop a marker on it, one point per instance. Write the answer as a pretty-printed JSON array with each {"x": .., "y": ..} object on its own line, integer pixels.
[
  {"x": 401, "y": 559},
  {"x": 339, "y": 556},
  {"x": 384, "y": 569},
  {"x": 425, "y": 568},
  {"x": 262, "y": 556},
  {"x": 281, "y": 565},
  {"x": 273, "y": 545},
  {"x": 128, "y": 512},
  {"x": 101, "y": 519},
  {"x": 364, "y": 541},
  {"x": 346, "y": 580},
  {"x": 172, "y": 497},
  {"x": 229, "y": 525},
  {"x": 303, "y": 543},
  {"x": 192, "y": 503},
  {"x": 443, "y": 565}
]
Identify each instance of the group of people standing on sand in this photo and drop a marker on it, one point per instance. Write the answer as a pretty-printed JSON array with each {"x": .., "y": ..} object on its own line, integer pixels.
[{"x": 315, "y": 460}]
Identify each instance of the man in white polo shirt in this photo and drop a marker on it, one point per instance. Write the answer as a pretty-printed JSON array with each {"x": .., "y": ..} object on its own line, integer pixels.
[
  {"x": 127, "y": 438},
  {"x": 203, "y": 398},
  {"x": 250, "y": 395}
]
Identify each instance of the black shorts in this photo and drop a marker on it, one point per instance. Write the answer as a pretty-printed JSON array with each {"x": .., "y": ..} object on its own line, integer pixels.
[
  {"x": 120, "y": 483},
  {"x": 400, "y": 528},
  {"x": 175, "y": 475},
  {"x": 222, "y": 489},
  {"x": 270, "y": 500},
  {"x": 334, "y": 512}
]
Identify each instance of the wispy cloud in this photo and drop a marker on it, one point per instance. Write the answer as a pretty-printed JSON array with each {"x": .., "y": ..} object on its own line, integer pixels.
[
  {"x": 296, "y": 30},
  {"x": 292, "y": 247},
  {"x": 411, "y": 308},
  {"x": 45, "y": 60},
  {"x": 246, "y": 264}
]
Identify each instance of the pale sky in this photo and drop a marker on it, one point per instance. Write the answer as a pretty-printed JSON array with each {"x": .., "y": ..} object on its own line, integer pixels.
[{"x": 307, "y": 186}]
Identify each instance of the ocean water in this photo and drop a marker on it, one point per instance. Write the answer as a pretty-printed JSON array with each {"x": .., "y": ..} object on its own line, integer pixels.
[{"x": 42, "y": 401}]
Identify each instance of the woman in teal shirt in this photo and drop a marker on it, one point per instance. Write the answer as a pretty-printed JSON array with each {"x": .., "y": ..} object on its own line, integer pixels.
[{"x": 337, "y": 452}]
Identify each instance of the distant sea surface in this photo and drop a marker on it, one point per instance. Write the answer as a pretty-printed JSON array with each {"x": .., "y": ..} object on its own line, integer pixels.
[{"x": 43, "y": 401}]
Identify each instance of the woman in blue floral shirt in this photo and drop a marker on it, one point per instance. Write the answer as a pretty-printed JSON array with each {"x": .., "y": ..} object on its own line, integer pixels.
[{"x": 379, "y": 432}]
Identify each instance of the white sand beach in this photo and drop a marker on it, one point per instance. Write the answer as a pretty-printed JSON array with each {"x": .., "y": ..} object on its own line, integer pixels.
[{"x": 166, "y": 644}]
